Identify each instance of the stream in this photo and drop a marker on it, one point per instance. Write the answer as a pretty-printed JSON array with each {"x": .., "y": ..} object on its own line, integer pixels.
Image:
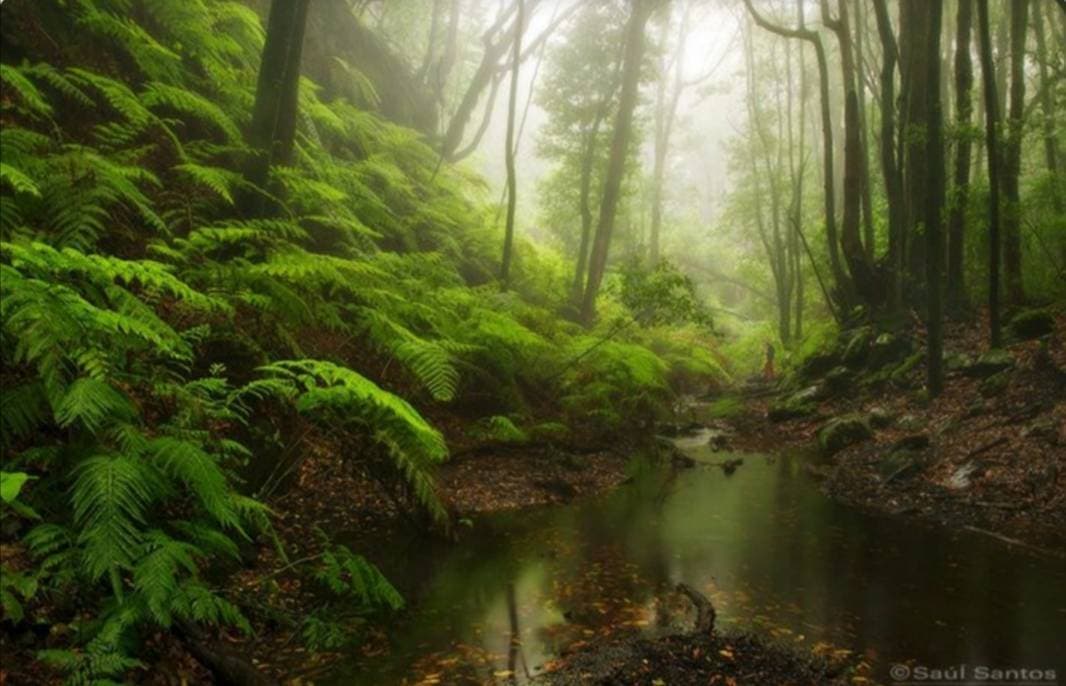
[{"x": 775, "y": 555}]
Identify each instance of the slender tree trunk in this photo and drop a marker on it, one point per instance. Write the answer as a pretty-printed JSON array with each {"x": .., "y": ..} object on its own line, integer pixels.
[
  {"x": 869, "y": 237},
  {"x": 890, "y": 165},
  {"x": 667, "y": 100},
  {"x": 991, "y": 99},
  {"x": 1047, "y": 105},
  {"x": 1012, "y": 246},
  {"x": 509, "y": 153},
  {"x": 956, "y": 287},
  {"x": 934, "y": 207},
  {"x": 634, "y": 55},
  {"x": 273, "y": 127},
  {"x": 843, "y": 287}
]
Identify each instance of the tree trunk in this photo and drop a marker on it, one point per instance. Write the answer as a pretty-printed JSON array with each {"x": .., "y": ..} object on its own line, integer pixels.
[
  {"x": 509, "y": 153},
  {"x": 917, "y": 98},
  {"x": 631, "y": 63},
  {"x": 863, "y": 276},
  {"x": 666, "y": 102},
  {"x": 273, "y": 126},
  {"x": 1012, "y": 235},
  {"x": 843, "y": 288},
  {"x": 956, "y": 287},
  {"x": 991, "y": 99},
  {"x": 1047, "y": 105},
  {"x": 934, "y": 203},
  {"x": 890, "y": 165}
]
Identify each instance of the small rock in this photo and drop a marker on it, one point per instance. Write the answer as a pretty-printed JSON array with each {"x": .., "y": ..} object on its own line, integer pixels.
[
  {"x": 995, "y": 384},
  {"x": 912, "y": 442},
  {"x": 960, "y": 478},
  {"x": 879, "y": 417},
  {"x": 841, "y": 432},
  {"x": 989, "y": 363},
  {"x": 956, "y": 361},
  {"x": 899, "y": 463},
  {"x": 910, "y": 422}
]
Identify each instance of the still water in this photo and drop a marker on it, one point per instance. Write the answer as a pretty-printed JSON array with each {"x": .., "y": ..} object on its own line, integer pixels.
[{"x": 773, "y": 553}]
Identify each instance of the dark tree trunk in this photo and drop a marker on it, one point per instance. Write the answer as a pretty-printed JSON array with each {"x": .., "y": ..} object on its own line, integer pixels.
[
  {"x": 956, "y": 287},
  {"x": 1012, "y": 235},
  {"x": 890, "y": 165},
  {"x": 631, "y": 63},
  {"x": 991, "y": 99},
  {"x": 509, "y": 153},
  {"x": 917, "y": 98},
  {"x": 273, "y": 126},
  {"x": 934, "y": 203},
  {"x": 863, "y": 276}
]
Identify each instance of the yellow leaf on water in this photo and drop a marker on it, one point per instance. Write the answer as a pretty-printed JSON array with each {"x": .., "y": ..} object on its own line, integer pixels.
[{"x": 503, "y": 673}]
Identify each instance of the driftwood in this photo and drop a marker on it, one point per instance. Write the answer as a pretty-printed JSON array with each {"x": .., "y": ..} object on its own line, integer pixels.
[
  {"x": 228, "y": 667},
  {"x": 705, "y": 614}
]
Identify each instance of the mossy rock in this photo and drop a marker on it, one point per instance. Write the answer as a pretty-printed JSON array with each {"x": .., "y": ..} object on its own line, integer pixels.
[
  {"x": 843, "y": 431},
  {"x": 956, "y": 361},
  {"x": 819, "y": 363},
  {"x": 900, "y": 375},
  {"x": 887, "y": 349},
  {"x": 900, "y": 464},
  {"x": 801, "y": 404},
  {"x": 992, "y": 362},
  {"x": 1030, "y": 324},
  {"x": 858, "y": 347},
  {"x": 838, "y": 378},
  {"x": 995, "y": 384}
]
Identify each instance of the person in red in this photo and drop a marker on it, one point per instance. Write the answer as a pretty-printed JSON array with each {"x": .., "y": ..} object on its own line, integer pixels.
[{"x": 768, "y": 369}]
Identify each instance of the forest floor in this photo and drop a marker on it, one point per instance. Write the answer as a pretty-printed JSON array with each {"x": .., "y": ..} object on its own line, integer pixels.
[{"x": 987, "y": 457}]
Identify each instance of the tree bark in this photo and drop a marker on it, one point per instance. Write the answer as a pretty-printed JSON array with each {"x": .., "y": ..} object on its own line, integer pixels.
[
  {"x": 890, "y": 165},
  {"x": 863, "y": 275},
  {"x": 631, "y": 63},
  {"x": 934, "y": 203},
  {"x": 956, "y": 287},
  {"x": 273, "y": 126},
  {"x": 509, "y": 153},
  {"x": 1012, "y": 245},
  {"x": 991, "y": 99}
]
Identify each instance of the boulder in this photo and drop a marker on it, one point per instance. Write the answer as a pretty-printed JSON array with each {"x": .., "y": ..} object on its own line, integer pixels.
[
  {"x": 841, "y": 432},
  {"x": 1029, "y": 324},
  {"x": 989, "y": 363}
]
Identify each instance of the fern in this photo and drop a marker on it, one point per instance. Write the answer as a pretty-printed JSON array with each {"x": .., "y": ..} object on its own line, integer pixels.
[{"x": 110, "y": 498}]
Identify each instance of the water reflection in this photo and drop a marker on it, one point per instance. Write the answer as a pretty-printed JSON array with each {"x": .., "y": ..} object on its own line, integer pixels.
[{"x": 770, "y": 550}]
